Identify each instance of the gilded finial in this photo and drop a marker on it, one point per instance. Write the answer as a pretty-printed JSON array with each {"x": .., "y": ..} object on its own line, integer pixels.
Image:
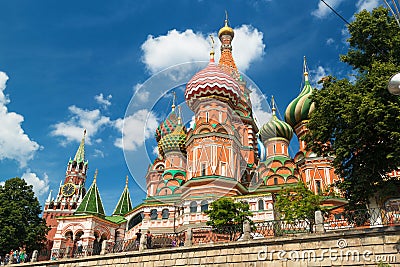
[
  {"x": 173, "y": 100},
  {"x": 226, "y": 18},
  {"x": 273, "y": 105},
  {"x": 126, "y": 181},
  {"x": 95, "y": 176},
  {"x": 305, "y": 69},
  {"x": 212, "y": 48},
  {"x": 179, "y": 116}
]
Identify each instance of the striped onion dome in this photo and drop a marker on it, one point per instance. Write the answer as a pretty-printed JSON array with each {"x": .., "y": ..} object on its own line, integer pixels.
[
  {"x": 167, "y": 126},
  {"x": 301, "y": 107},
  {"x": 212, "y": 81},
  {"x": 275, "y": 128},
  {"x": 175, "y": 141}
]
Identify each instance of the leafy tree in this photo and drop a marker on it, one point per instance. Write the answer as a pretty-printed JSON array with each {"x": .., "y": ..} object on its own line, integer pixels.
[
  {"x": 357, "y": 121},
  {"x": 20, "y": 224},
  {"x": 298, "y": 203},
  {"x": 228, "y": 216}
]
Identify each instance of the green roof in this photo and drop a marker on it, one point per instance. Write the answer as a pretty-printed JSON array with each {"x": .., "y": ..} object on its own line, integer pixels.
[
  {"x": 80, "y": 154},
  {"x": 91, "y": 203},
  {"x": 115, "y": 219},
  {"x": 124, "y": 204}
]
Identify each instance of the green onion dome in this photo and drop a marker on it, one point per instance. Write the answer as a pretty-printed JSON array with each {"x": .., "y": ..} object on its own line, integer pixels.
[
  {"x": 175, "y": 141},
  {"x": 301, "y": 107},
  {"x": 275, "y": 128}
]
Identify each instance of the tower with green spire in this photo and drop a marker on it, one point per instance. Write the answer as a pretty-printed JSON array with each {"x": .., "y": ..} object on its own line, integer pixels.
[
  {"x": 91, "y": 203},
  {"x": 124, "y": 203}
]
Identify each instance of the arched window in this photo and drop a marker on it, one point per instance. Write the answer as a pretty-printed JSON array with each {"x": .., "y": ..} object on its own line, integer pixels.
[
  {"x": 165, "y": 213},
  {"x": 193, "y": 206},
  {"x": 261, "y": 204},
  {"x": 153, "y": 214},
  {"x": 204, "y": 205},
  {"x": 275, "y": 181},
  {"x": 138, "y": 218}
]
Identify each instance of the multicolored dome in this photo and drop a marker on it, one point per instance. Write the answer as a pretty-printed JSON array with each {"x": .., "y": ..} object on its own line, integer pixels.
[
  {"x": 212, "y": 81},
  {"x": 175, "y": 141},
  {"x": 301, "y": 107},
  {"x": 167, "y": 126},
  {"x": 275, "y": 128}
]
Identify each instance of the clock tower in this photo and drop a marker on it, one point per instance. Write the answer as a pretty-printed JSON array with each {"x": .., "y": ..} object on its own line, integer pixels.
[{"x": 70, "y": 193}]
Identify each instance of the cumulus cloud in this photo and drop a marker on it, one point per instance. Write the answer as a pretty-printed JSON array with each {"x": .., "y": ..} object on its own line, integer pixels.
[
  {"x": 323, "y": 11},
  {"x": 98, "y": 153},
  {"x": 259, "y": 105},
  {"x": 15, "y": 144},
  {"x": 247, "y": 46},
  {"x": 105, "y": 102},
  {"x": 330, "y": 41},
  {"x": 367, "y": 4},
  {"x": 178, "y": 47},
  {"x": 141, "y": 94},
  {"x": 135, "y": 129},
  {"x": 317, "y": 75},
  {"x": 40, "y": 186},
  {"x": 72, "y": 130}
]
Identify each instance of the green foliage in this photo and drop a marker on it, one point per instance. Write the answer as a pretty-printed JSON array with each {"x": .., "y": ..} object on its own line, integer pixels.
[
  {"x": 358, "y": 121},
  {"x": 297, "y": 203},
  {"x": 226, "y": 212},
  {"x": 20, "y": 224}
]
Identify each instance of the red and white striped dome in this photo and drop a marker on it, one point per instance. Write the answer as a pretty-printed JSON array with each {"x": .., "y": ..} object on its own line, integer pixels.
[{"x": 212, "y": 81}]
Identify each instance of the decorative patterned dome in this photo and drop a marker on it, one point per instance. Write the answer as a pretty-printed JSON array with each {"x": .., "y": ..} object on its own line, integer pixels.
[
  {"x": 175, "y": 141},
  {"x": 212, "y": 81},
  {"x": 167, "y": 126},
  {"x": 301, "y": 107},
  {"x": 275, "y": 128}
]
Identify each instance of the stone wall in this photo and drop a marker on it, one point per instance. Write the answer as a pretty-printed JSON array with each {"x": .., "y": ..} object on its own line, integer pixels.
[{"x": 363, "y": 247}]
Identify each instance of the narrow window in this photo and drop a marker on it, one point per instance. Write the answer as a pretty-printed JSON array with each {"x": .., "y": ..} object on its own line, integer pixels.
[
  {"x": 318, "y": 184},
  {"x": 206, "y": 116},
  {"x": 193, "y": 207},
  {"x": 165, "y": 213},
  {"x": 275, "y": 181},
  {"x": 261, "y": 204},
  {"x": 204, "y": 205},
  {"x": 203, "y": 169},
  {"x": 153, "y": 214},
  {"x": 223, "y": 168}
]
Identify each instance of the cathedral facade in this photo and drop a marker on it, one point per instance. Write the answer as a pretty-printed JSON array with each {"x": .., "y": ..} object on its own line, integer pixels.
[{"x": 224, "y": 153}]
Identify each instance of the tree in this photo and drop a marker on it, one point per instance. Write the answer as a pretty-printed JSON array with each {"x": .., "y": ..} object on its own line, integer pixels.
[
  {"x": 20, "y": 222},
  {"x": 298, "y": 203},
  {"x": 358, "y": 121},
  {"x": 228, "y": 216}
]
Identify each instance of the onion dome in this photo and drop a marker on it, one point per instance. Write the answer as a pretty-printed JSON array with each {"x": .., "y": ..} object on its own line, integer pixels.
[
  {"x": 301, "y": 107},
  {"x": 175, "y": 141},
  {"x": 169, "y": 125},
  {"x": 226, "y": 30},
  {"x": 212, "y": 81},
  {"x": 275, "y": 127}
]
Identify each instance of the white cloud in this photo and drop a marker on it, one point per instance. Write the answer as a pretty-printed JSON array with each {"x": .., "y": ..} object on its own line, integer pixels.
[
  {"x": 98, "y": 153},
  {"x": 15, "y": 144},
  {"x": 260, "y": 111},
  {"x": 105, "y": 102},
  {"x": 247, "y": 46},
  {"x": 135, "y": 129},
  {"x": 316, "y": 75},
  {"x": 155, "y": 151},
  {"x": 180, "y": 47},
  {"x": 81, "y": 119},
  {"x": 40, "y": 186},
  {"x": 2, "y": 183},
  {"x": 367, "y": 4},
  {"x": 323, "y": 11},
  {"x": 141, "y": 94},
  {"x": 330, "y": 41}
]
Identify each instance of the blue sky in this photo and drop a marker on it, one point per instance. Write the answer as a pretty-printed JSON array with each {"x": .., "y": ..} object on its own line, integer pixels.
[{"x": 70, "y": 65}]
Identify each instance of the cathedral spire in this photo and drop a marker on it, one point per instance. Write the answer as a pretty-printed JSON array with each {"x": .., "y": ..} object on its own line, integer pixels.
[
  {"x": 305, "y": 70},
  {"x": 226, "y": 35},
  {"x": 80, "y": 153},
  {"x": 91, "y": 202},
  {"x": 124, "y": 204}
]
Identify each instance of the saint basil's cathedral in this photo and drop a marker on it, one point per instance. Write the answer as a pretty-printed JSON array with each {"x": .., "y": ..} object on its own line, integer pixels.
[{"x": 224, "y": 153}]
